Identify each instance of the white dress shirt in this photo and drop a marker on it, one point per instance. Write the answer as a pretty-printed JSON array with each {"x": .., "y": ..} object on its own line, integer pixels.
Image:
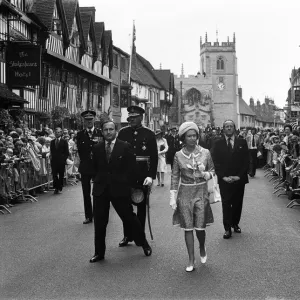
[
  {"x": 112, "y": 144},
  {"x": 251, "y": 140}
]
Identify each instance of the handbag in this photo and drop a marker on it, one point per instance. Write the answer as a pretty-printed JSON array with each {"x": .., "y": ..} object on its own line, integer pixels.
[
  {"x": 162, "y": 147},
  {"x": 213, "y": 190}
]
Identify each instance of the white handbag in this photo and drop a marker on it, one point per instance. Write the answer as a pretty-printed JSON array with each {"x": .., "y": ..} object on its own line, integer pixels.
[{"x": 213, "y": 190}]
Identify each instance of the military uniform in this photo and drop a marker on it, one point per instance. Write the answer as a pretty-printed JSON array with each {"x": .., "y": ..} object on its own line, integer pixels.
[
  {"x": 143, "y": 143},
  {"x": 85, "y": 142}
]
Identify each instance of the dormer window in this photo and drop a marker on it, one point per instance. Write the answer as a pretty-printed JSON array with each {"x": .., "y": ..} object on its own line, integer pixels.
[
  {"x": 220, "y": 63},
  {"x": 56, "y": 23},
  {"x": 90, "y": 45},
  {"x": 56, "y": 27},
  {"x": 75, "y": 40}
]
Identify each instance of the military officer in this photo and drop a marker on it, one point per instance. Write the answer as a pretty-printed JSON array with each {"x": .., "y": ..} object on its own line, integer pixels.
[
  {"x": 86, "y": 139},
  {"x": 143, "y": 142}
]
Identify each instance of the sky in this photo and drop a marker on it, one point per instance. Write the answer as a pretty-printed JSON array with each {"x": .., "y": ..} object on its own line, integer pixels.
[{"x": 168, "y": 33}]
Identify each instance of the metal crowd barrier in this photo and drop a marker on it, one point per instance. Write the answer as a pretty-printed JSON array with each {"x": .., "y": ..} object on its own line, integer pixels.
[
  {"x": 19, "y": 177},
  {"x": 284, "y": 172}
]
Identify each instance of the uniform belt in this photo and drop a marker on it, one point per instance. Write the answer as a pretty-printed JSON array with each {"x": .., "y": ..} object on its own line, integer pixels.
[{"x": 142, "y": 158}]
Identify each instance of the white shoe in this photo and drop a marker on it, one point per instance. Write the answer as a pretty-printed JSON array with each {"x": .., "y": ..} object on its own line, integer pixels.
[
  {"x": 203, "y": 258},
  {"x": 190, "y": 269}
]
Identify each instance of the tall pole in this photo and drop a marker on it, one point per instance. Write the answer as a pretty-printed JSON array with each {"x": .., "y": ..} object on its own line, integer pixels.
[
  {"x": 179, "y": 104},
  {"x": 131, "y": 52}
]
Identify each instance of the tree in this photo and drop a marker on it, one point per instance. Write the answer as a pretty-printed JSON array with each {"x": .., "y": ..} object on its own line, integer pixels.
[
  {"x": 59, "y": 114},
  {"x": 18, "y": 116},
  {"x": 5, "y": 118}
]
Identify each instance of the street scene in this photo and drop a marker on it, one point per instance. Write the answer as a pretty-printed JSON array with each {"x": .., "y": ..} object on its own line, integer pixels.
[
  {"x": 47, "y": 249},
  {"x": 149, "y": 150}
]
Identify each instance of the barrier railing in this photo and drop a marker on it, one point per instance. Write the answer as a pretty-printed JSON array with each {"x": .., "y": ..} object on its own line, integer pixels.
[
  {"x": 20, "y": 176},
  {"x": 284, "y": 171}
]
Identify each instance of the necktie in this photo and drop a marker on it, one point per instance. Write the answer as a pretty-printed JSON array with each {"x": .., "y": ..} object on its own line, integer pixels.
[
  {"x": 108, "y": 151},
  {"x": 253, "y": 142},
  {"x": 229, "y": 145},
  {"x": 56, "y": 143}
]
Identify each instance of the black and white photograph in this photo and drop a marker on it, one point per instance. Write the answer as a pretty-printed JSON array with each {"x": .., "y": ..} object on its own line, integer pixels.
[{"x": 149, "y": 150}]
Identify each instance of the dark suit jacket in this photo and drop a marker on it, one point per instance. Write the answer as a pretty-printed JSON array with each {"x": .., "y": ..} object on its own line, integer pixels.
[
  {"x": 231, "y": 164},
  {"x": 85, "y": 146},
  {"x": 60, "y": 154},
  {"x": 117, "y": 174}
]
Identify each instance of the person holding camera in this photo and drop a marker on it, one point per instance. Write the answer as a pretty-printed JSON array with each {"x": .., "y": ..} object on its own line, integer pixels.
[{"x": 162, "y": 148}]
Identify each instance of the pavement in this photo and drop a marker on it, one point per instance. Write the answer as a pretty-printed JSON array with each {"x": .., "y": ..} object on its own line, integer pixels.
[{"x": 45, "y": 251}]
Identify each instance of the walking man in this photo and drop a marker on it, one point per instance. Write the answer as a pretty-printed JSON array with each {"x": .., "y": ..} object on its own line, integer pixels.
[
  {"x": 143, "y": 143},
  {"x": 59, "y": 152},
  {"x": 86, "y": 139},
  {"x": 173, "y": 144},
  {"x": 231, "y": 160},
  {"x": 253, "y": 144},
  {"x": 114, "y": 166}
]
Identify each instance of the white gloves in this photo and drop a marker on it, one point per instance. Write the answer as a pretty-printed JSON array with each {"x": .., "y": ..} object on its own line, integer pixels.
[
  {"x": 206, "y": 175},
  {"x": 173, "y": 196},
  {"x": 148, "y": 181}
]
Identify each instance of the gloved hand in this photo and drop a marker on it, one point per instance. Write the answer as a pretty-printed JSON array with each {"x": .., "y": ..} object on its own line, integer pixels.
[
  {"x": 206, "y": 175},
  {"x": 148, "y": 181},
  {"x": 173, "y": 196}
]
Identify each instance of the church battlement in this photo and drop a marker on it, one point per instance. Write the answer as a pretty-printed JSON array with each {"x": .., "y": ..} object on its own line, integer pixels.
[{"x": 217, "y": 46}]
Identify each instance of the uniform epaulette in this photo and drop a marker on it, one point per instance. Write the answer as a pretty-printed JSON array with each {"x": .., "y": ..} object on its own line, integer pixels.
[
  {"x": 124, "y": 128},
  {"x": 143, "y": 126}
]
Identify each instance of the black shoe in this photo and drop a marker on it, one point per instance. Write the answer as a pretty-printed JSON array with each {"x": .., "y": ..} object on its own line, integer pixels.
[
  {"x": 125, "y": 241},
  {"x": 236, "y": 228},
  {"x": 162, "y": 184},
  {"x": 227, "y": 234},
  {"x": 88, "y": 220},
  {"x": 147, "y": 249},
  {"x": 55, "y": 192},
  {"x": 96, "y": 258}
]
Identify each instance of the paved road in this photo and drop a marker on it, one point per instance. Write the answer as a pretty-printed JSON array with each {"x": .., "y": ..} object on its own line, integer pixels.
[{"x": 45, "y": 252}]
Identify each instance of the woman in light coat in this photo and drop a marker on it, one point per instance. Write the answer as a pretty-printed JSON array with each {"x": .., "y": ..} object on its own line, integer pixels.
[{"x": 162, "y": 148}]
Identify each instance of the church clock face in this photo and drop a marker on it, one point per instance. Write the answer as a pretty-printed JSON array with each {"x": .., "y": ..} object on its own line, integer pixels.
[{"x": 221, "y": 86}]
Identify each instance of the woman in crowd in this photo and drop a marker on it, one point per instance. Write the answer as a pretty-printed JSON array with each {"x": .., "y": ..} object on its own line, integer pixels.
[
  {"x": 162, "y": 148},
  {"x": 193, "y": 166}
]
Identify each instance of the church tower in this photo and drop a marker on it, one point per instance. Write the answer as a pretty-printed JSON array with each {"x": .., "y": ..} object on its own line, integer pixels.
[{"x": 218, "y": 62}]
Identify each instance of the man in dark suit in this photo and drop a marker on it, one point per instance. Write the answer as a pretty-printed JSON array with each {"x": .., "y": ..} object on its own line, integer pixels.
[
  {"x": 59, "y": 152},
  {"x": 144, "y": 147},
  {"x": 231, "y": 160},
  {"x": 86, "y": 139},
  {"x": 173, "y": 144},
  {"x": 253, "y": 146},
  {"x": 114, "y": 163}
]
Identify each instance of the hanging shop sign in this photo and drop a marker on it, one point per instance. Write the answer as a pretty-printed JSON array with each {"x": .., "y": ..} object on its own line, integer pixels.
[{"x": 23, "y": 65}]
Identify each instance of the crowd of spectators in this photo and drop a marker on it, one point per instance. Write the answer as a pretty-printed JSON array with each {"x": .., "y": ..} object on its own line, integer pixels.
[
  {"x": 19, "y": 145},
  {"x": 274, "y": 143}
]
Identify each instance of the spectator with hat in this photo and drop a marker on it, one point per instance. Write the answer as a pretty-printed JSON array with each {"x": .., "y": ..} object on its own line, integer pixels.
[
  {"x": 86, "y": 139},
  {"x": 143, "y": 142},
  {"x": 162, "y": 148}
]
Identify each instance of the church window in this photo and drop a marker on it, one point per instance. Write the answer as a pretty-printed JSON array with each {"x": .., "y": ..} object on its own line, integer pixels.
[{"x": 220, "y": 63}]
